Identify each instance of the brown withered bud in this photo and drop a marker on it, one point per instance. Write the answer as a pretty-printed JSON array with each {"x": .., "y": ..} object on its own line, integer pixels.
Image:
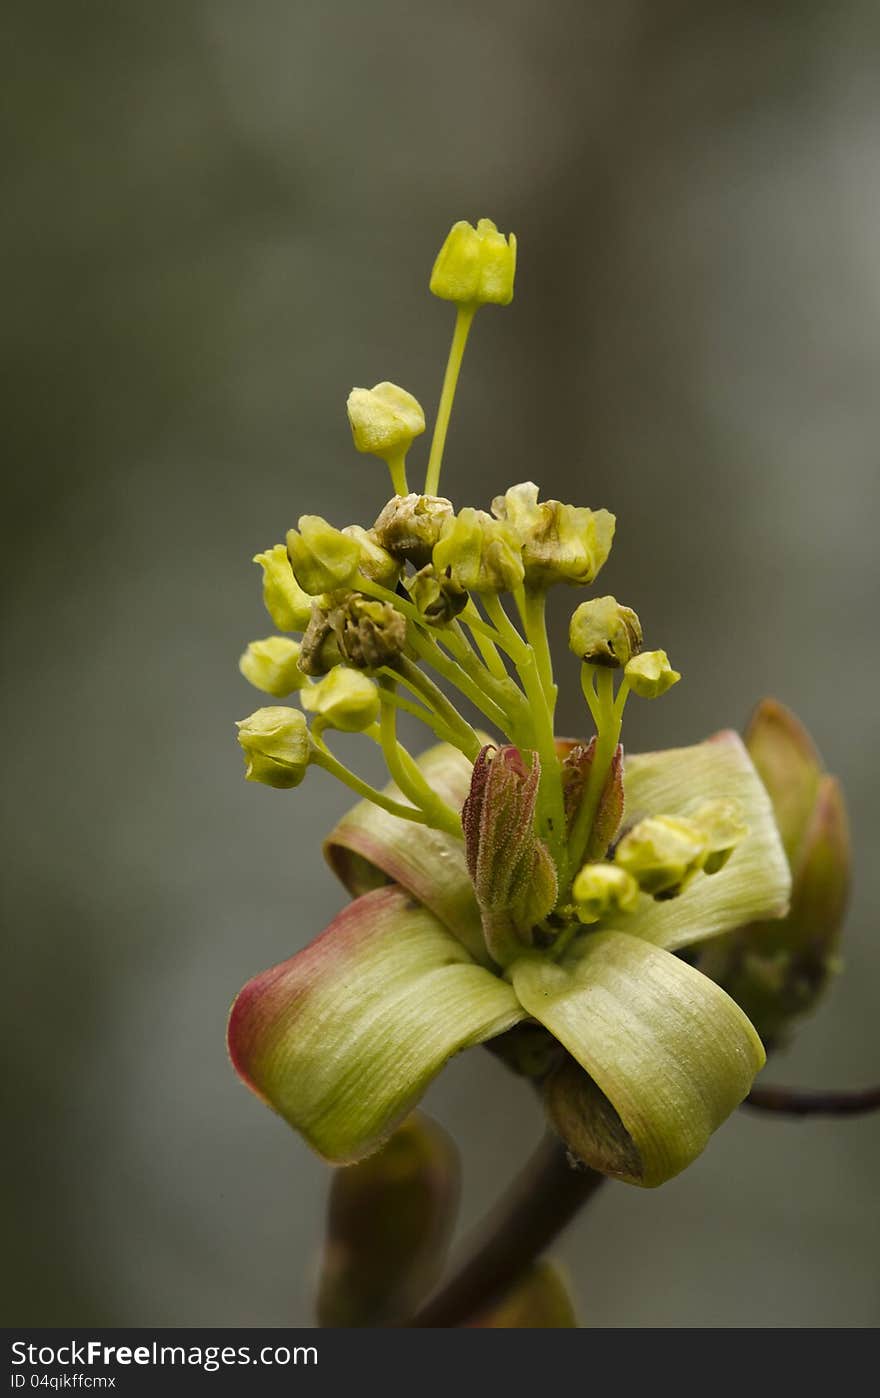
[
  {"x": 409, "y": 526},
  {"x": 320, "y": 649},
  {"x": 438, "y": 598},
  {"x": 369, "y": 633}
]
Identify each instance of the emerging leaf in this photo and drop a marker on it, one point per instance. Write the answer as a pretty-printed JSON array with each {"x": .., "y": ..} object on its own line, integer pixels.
[{"x": 513, "y": 876}]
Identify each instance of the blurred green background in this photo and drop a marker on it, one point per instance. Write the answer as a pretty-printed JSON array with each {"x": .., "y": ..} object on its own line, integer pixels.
[{"x": 219, "y": 216}]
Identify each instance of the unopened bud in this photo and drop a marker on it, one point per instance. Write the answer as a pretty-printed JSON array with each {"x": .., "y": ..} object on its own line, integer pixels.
[
  {"x": 273, "y": 666},
  {"x": 600, "y": 889},
  {"x": 650, "y": 674},
  {"x": 384, "y": 419},
  {"x": 376, "y": 563},
  {"x": 663, "y": 853},
  {"x": 287, "y": 604},
  {"x": 602, "y": 632},
  {"x": 276, "y": 746},
  {"x": 323, "y": 558},
  {"x": 722, "y": 824},
  {"x": 438, "y": 598},
  {"x": 390, "y": 1218},
  {"x": 344, "y": 699},
  {"x": 409, "y": 526},
  {"x": 479, "y": 553},
  {"x": 369, "y": 633},
  {"x": 560, "y": 543},
  {"x": 475, "y": 266}
]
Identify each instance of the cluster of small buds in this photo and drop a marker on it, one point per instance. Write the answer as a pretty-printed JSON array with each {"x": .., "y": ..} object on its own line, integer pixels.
[{"x": 381, "y": 606}]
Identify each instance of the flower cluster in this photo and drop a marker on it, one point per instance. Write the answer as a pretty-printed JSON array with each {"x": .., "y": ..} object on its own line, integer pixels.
[{"x": 521, "y": 888}]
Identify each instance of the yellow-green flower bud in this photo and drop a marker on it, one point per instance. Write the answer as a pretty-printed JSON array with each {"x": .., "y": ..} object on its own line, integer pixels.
[
  {"x": 384, "y": 419},
  {"x": 323, "y": 558},
  {"x": 650, "y": 674},
  {"x": 376, "y": 562},
  {"x": 475, "y": 266},
  {"x": 345, "y": 699},
  {"x": 602, "y": 632},
  {"x": 409, "y": 526},
  {"x": 560, "y": 543},
  {"x": 287, "y": 604},
  {"x": 438, "y": 598},
  {"x": 276, "y": 746},
  {"x": 273, "y": 666},
  {"x": 663, "y": 853},
  {"x": 369, "y": 633},
  {"x": 723, "y": 826},
  {"x": 479, "y": 553},
  {"x": 604, "y": 888}
]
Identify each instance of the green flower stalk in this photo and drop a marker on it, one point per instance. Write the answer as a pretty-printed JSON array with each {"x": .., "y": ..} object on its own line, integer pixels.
[{"x": 549, "y": 897}]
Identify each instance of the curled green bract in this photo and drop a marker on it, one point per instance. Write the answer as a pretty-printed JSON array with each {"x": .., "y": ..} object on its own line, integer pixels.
[{"x": 343, "y": 1038}]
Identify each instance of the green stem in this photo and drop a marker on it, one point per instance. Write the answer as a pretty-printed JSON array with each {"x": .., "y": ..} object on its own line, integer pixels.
[
  {"x": 532, "y": 604},
  {"x": 463, "y": 321},
  {"x": 425, "y": 716},
  {"x": 550, "y": 806},
  {"x": 485, "y": 639},
  {"x": 608, "y": 721},
  {"x": 323, "y": 757},
  {"x": 408, "y": 777},
  {"x": 397, "y": 466},
  {"x": 462, "y": 734},
  {"x": 455, "y": 674}
]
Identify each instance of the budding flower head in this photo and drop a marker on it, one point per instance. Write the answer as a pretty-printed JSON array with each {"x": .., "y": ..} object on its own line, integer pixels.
[
  {"x": 650, "y": 674},
  {"x": 438, "y": 598},
  {"x": 560, "y": 543},
  {"x": 385, "y": 419},
  {"x": 376, "y": 562},
  {"x": 345, "y": 699},
  {"x": 276, "y": 746},
  {"x": 663, "y": 853},
  {"x": 475, "y": 266},
  {"x": 273, "y": 666},
  {"x": 409, "y": 526},
  {"x": 323, "y": 558},
  {"x": 604, "y": 888},
  {"x": 287, "y": 604},
  {"x": 479, "y": 553},
  {"x": 602, "y": 632}
]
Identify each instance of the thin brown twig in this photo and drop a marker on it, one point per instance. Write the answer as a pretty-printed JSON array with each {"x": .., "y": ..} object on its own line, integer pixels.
[
  {"x": 543, "y": 1198},
  {"x": 792, "y": 1101}
]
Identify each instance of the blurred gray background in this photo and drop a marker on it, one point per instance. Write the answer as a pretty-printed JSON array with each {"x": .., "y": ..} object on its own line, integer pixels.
[{"x": 217, "y": 217}]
